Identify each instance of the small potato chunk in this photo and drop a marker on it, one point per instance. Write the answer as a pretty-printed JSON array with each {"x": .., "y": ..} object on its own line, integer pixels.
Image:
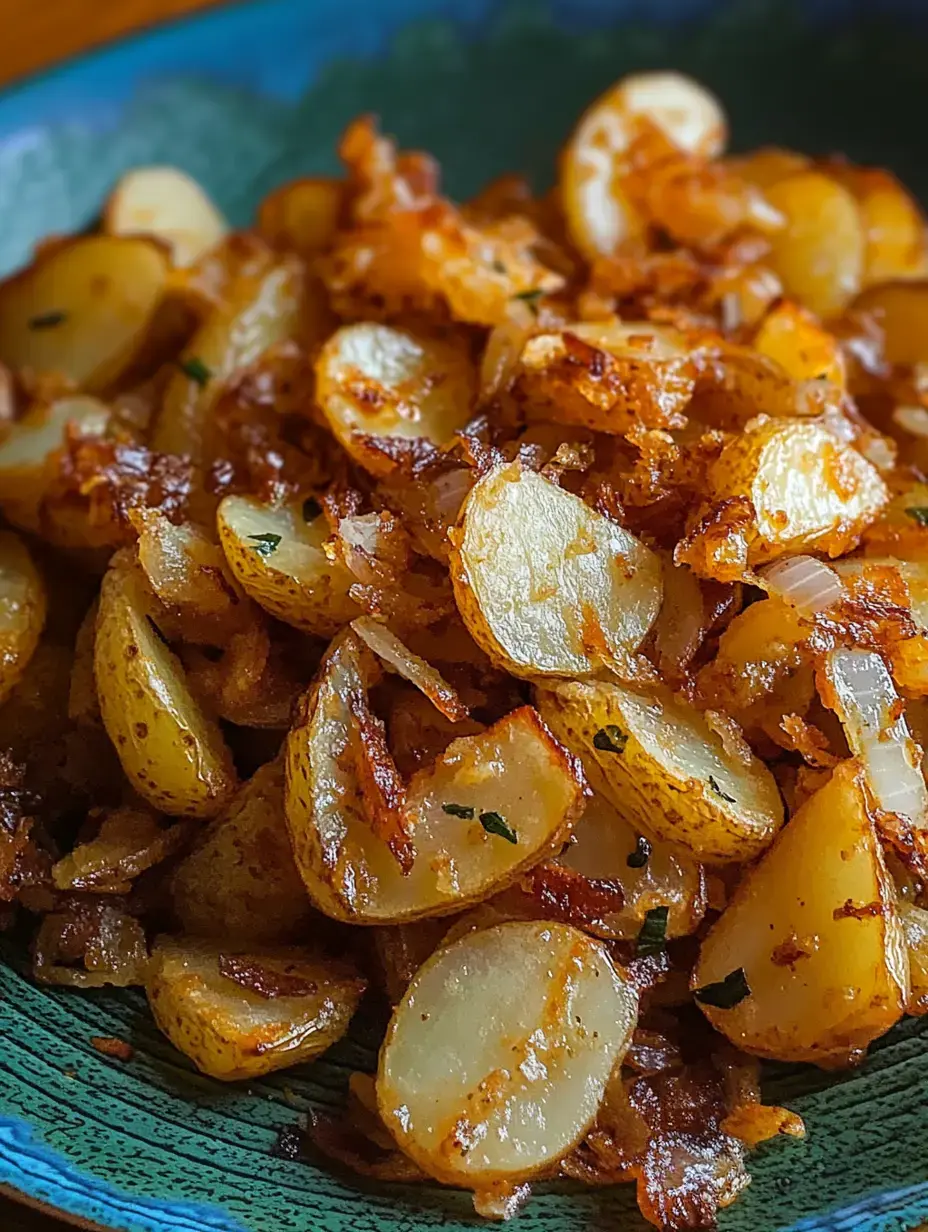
[
  {"x": 893, "y": 223},
  {"x": 510, "y": 777},
  {"x": 23, "y": 606},
  {"x": 545, "y": 585},
  {"x": 599, "y": 214},
  {"x": 497, "y": 1058},
  {"x": 173, "y": 754},
  {"x": 171, "y": 206},
  {"x": 815, "y": 929},
  {"x": 302, "y": 216},
  {"x": 791, "y": 336},
  {"x": 901, "y": 309},
  {"x": 914, "y": 922},
  {"x": 83, "y": 309},
  {"x": 809, "y": 490},
  {"x": 666, "y": 771},
  {"x": 608, "y": 376},
  {"x": 819, "y": 255},
  {"x": 240, "y": 1015},
  {"x": 278, "y": 559},
  {"x": 240, "y": 883},
  {"x": 390, "y": 396}
]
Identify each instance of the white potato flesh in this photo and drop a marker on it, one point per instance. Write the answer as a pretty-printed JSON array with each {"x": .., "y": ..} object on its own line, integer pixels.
[
  {"x": 170, "y": 205},
  {"x": 599, "y": 215},
  {"x": 809, "y": 491},
  {"x": 545, "y": 585},
  {"x": 664, "y": 769},
  {"x": 279, "y": 560},
  {"x": 23, "y": 605},
  {"x": 815, "y": 929},
  {"x": 231, "y": 1030},
  {"x": 83, "y": 309},
  {"x": 669, "y": 876},
  {"x": 513, "y": 769},
  {"x": 387, "y": 393},
  {"x": 497, "y": 1058}
]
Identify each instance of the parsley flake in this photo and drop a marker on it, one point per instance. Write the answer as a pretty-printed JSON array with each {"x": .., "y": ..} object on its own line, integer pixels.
[
  {"x": 464, "y": 811},
  {"x": 642, "y": 853},
  {"x": 652, "y": 936},
  {"x": 494, "y": 824},
  {"x": 718, "y": 791},
  {"x": 195, "y": 368},
  {"x": 498, "y": 266},
  {"x": 531, "y": 298},
  {"x": 311, "y": 509},
  {"x": 610, "y": 739},
  {"x": 919, "y": 514},
  {"x": 265, "y": 544},
  {"x": 727, "y": 993},
  {"x": 48, "y": 320}
]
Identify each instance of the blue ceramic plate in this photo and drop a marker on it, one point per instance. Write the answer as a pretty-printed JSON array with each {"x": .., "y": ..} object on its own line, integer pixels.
[{"x": 243, "y": 98}]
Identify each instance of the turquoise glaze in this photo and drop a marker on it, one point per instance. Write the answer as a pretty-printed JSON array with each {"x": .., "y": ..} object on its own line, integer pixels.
[{"x": 243, "y": 98}]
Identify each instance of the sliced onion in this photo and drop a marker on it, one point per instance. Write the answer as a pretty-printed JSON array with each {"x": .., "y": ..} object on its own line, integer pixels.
[
  {"x": 803, "y": 582},
  {"x": 913, "y": 419},
  {"x": 387, "y": 646},
  {"x": 866, "y": 702}
]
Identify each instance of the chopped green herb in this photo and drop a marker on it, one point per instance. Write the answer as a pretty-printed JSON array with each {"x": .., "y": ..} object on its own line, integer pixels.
[
  {"x": 494, "y": 824},
  {"x": 727, "y": 993},
  {"x": 265, "y": 544},
  {"x": 652, "y": 936},
  {"x": 610, "y": 739},
  {"x": 48, "y": 320},
  {"x": 465, "y": 811},
  {"x": 822, "y": 376},
  {"x": 157, "y": 632},
  {"x": 718, "y": 791},
  {"x": 919, "y": 514},
  {"x": 196, "y": 370},
  {"x": 640, "y": 856},
  {"x": 531, "y": 298},
  {"x": 311, "y": 509}
]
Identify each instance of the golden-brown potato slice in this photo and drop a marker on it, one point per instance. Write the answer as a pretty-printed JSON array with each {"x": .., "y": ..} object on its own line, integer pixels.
[
  {"x": 168, "y": 204},
  {"x": 278, "y": 559},
  {"x": 262, "y": 307},
  {"x": 497, "y": 1058},
  {"x": 665, "y": 770},
  {"x": 546, "y": 585},
  {"x": 608, "y": 376},
  {"x": 819, "y": 255},
  {"x": 901, "y": 309},
  {"x": 239, "y": 883},
  {"x": 893, "y": 223},
  {"x": 808, "y": 489},
  {"x": 390, "y": 396},
  {"x": 23, "y": 606},
  {"x": 173, "y": 754},
  {"x": 594, "y": 164},
  {"x": 914, "y": 922},
  {"x": 791, "y": 336},
  {"x": 302, "y": 216},
  {"x": 815, "y": 930},
  {"x": 240, "y": 1015},
  {"x": 488, "y": 808},
  {"x": 767, "y": 165},
  {"x": 83, "y": 309}
]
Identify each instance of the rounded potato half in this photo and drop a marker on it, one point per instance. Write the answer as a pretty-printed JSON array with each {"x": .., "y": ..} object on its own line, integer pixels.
[
  {"x": 173, "y": 754},
  {"x": 545, "y": 585},
  {"x": 83, "y": 309},
  {"x": 23, "y": 606},
  {"x": 390, "y": 396},
  {"x": 171, "y": 206},
  {"x": 497, "y": 1058},
  {"x": 492, "y": 805},
  {"x": 241, "y": 1015},
  {"x": 665, "y": 770},
  {"x": 278, "y": 559}
]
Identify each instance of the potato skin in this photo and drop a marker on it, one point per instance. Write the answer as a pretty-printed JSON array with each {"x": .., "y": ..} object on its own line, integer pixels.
[
  {"x": 23, "y": 608},
  {"x": 172, "y": 753}
]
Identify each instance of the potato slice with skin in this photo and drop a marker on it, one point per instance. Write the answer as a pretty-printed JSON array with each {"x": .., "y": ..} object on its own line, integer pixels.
[
  {"x": 513, "y": 769},
  {"x": 791, "y": 336},
  {"x": 545, "y": 585},
  {"x": 893, "y": 223},
  {"x": 172, "y": 753},
  {"x": 901, "y": 309},
  {"x": 239, "y": 883},
  {"x": 241, "y": 1015},
  {"x": 390, "y": 396},
  {"x": 82, "y": 310},
  {"x": 497, "y": 1058},
  {"x": 656, "y": 759},
  {"x": 171, "y": 206},
  {"x": 302, "y": 216},
  {"x": 808, "y": 489},
  {"x": 815, "y": 928},
  {"x": 278, "y": 559},
  {"x": 914, "y": 922},
  {"x": 23, "y": 607},
  {"x": 599, "y": 214}
]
